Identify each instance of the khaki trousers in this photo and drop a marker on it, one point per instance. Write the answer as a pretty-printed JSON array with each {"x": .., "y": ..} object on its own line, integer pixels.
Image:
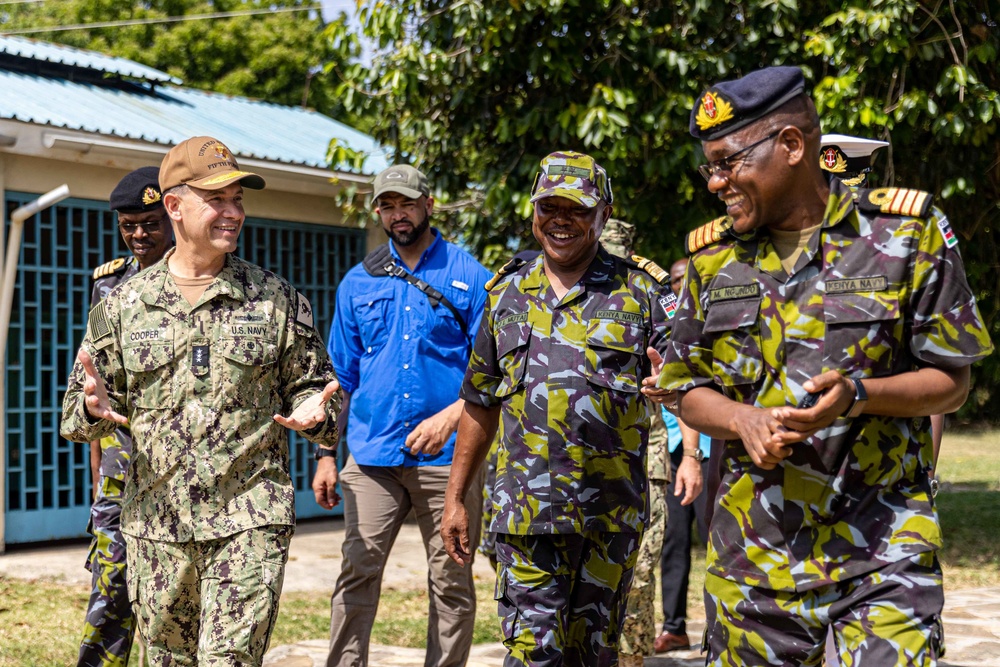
[{"x": 376, "y": 502}]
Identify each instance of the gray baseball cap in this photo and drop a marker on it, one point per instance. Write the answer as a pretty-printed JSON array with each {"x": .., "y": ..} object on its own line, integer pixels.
[{"x": 403, "y": 179}]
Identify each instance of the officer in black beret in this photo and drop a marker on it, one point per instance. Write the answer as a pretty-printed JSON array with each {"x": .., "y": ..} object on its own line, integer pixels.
[
  {"x": 817, "y": 330},
  {"x": 110, "y": 625}
]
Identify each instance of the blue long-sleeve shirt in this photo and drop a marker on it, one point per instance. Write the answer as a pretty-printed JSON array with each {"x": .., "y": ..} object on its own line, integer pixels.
[{"x": 401, "y": 359}]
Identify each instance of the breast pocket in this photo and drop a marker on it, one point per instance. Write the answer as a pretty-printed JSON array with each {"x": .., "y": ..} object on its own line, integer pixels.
[
  {"x": 150, "y": 367},
  {"x": 614, "y": 354},
  {"x": 862, "y": 331},
  {"x": 373, "y": 313},
  {"x": 448, "y": 329},
  {"x": 736, "y": 354},
  {"x": 512, "y": 356},
  {"x": 246, "y": 375}
]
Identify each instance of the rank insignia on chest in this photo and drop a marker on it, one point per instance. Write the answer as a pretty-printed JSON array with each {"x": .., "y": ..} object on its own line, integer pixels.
[
  {"x": 669, "y": 304},
  {"x": 200, "y": 358}
]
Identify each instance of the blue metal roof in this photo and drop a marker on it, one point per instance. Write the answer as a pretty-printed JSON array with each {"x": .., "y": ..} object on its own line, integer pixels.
[
  {"x": 67, "y": 55},
  {"x": 167, "y": 114}
]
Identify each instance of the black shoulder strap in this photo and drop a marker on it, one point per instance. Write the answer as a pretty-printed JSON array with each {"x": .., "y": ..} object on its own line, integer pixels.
[{"x": 380, "y": 262}]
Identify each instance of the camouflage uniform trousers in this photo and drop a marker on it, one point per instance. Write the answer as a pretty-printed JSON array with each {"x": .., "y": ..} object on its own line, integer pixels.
[
  {"x": 891, "y": 616},
  {"x": 211, "y": 602},
  {"x": 110, "y": 624},
  {"x": 639, "y": 627},
  {"x": 561, "y": 598}
]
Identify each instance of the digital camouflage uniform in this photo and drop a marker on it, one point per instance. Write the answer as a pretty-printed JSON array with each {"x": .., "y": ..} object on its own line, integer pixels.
[
  {"x": 571, "y": 459},
  {"x": 873, "y": 295},
  {"x": 110, "y": 625},
  {"x": 639, "y": 626},
  {"x": 209, "y": 474}
]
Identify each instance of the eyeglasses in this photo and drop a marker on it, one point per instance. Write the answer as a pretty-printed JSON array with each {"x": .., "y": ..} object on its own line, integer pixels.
[
  {"x": 726, "y": 164},
  {"x": 149, "y": 227}
]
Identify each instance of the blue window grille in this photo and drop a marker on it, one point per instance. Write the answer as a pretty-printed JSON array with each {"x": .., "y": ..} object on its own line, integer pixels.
[{"x": 48, "y": 488}]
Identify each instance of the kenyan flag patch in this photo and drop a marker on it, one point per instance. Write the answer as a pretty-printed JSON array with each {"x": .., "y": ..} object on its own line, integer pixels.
[
  {"x": 947, "y": 233},
  {"x": 669, "y": 303}
]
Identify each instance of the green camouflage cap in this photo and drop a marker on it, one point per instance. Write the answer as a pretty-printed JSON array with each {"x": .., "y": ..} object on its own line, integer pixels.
[
  {"x": 574, "y": 176},
  {"x": 618, "y": 237}
]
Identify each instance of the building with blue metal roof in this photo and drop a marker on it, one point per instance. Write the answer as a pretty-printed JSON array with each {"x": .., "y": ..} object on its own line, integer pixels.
[{"x": 75, "y": 117}]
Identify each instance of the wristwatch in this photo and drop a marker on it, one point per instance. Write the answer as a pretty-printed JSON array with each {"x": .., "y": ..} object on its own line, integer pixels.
[
  {"x": 695, "y": 453},
  {"x": 322, "y": 452},
  {"x": 860, "y": 400}
]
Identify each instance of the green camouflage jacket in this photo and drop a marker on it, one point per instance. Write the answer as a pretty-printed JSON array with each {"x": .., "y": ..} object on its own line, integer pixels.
[
  {"x": 200, "y": 386},
  {"x": 567, "y": 373},
  {"x": 875, "y": 294}
]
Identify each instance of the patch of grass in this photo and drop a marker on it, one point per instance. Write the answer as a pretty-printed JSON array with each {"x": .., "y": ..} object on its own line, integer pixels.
[
  {"x": 41, "y": 623},
  {"x": 969, "y": 507},
  {"x": 970, "y": 457}
]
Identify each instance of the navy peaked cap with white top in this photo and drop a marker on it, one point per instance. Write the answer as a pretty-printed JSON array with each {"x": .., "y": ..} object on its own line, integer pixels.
[{"x": 728, "y": 106}]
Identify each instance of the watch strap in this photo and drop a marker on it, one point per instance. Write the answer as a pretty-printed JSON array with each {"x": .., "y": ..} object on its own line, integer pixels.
[
  {"x": 695, "y": 453},
  {"x": 323, "y": 452},
  {"x": 860, "y": 400}
]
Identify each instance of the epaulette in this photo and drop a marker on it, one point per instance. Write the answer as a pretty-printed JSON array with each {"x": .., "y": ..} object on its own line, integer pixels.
[
  {"x": 895, "y": 201},
  {"x": 106, "y": 269},
  {"x": 707, "y": 234},
  {"x": 650, "y": 267},
  {"x": 510, "y": 267}
]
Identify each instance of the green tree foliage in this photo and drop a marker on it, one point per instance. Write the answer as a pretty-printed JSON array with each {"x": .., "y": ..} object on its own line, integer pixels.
[
  {"x": 477, "y": 91},
  {"x": 272, "y": 56}
]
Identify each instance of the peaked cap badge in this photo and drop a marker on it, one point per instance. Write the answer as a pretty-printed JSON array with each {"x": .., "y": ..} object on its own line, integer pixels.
[{"x": 833, "y": 160}]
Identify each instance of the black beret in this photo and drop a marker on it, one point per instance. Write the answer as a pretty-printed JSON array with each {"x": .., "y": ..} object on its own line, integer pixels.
[
  {"x": 138, "y": 192},
  {"x": 730, "y": 105}
]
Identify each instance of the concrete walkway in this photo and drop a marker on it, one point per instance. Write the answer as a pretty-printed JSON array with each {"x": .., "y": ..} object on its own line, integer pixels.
[{"x": 971, "y": 618}]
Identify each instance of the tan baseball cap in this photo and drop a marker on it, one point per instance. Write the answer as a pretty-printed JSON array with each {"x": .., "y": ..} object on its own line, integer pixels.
[
  {"x": 401, "y": 179},
  {"x": 206, "y": 163}
]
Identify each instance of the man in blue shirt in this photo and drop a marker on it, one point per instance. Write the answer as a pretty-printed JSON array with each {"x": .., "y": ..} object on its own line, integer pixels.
[{"x": 404, "y": 324}]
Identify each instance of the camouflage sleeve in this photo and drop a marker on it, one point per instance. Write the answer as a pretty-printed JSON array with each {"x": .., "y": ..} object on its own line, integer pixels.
[
  {"x": 100, "y": 342},
  {"x": 948, "y": 331},
  {"x": 687, "y": 363},
  {"x": 306, "y": 369},
  {"x": 482, "y": 377},
  {"x": 662, "y": 306}
]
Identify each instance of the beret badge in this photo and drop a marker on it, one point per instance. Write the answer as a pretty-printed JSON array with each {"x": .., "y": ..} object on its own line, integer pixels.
[
  {"x": 713, "y": 110},
  {"x": 150, "y": 196}
]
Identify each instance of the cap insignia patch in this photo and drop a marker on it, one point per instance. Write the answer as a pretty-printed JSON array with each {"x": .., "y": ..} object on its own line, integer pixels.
[
  {"x": 833, "y": 160},
  {"x": 221, "y": 152},
  {"x": 713, "y": 111},
  {"x": 150, "y": 196}
]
